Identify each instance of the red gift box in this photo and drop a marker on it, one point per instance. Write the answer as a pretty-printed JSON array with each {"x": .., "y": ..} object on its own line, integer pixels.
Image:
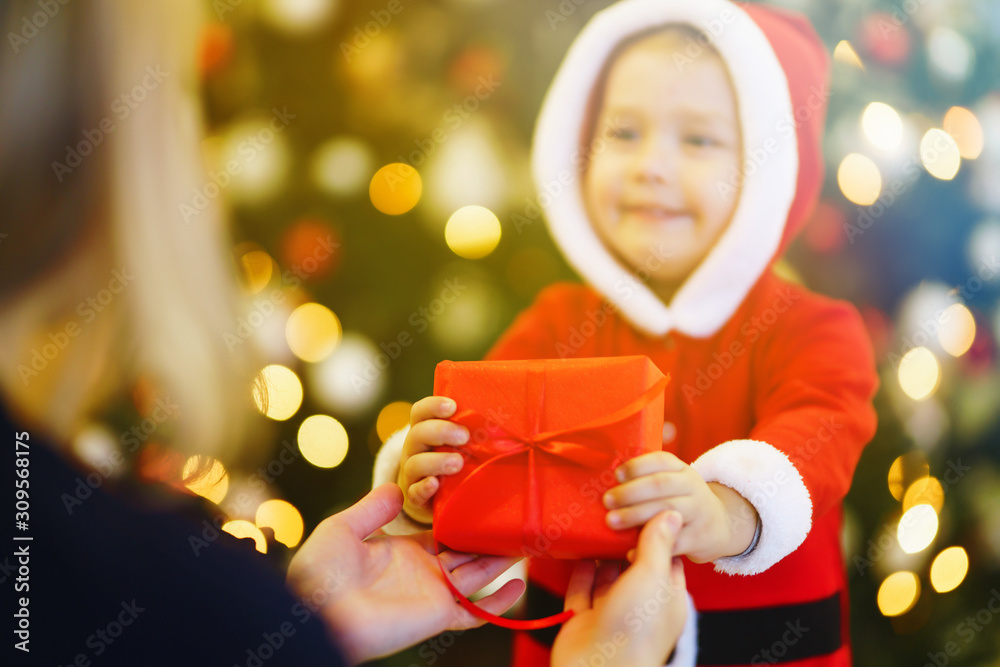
[{"x": 545, "y": 438}]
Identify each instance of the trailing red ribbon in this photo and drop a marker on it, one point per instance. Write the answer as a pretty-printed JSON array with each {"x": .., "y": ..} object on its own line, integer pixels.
[{"x": 584, "y": 445}]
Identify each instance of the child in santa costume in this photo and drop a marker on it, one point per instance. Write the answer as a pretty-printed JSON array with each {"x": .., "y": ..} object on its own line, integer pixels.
[{"x": 677, "y": 154}]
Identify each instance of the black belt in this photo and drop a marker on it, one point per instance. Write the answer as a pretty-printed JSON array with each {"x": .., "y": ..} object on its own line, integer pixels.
[{"x": 741, "y": 636}]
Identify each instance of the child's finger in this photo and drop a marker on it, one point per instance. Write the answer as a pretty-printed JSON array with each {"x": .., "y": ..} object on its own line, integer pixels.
[
  {"x": 429, "y": 464},
  {"x": 434, "y": 433},
  {"x": 651, "y": 487},
  {"x": 431, "y": 407},
  {"x": 647, "y": 464},
  {"x": 419, "y": 493},
  {"x": 637, "y": 515}
]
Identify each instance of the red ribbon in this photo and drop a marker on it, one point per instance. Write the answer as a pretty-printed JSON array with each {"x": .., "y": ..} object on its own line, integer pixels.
[{"x": 584, "y": 445}]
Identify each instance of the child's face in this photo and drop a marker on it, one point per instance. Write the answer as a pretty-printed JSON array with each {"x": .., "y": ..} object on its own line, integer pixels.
[{"x": 672, "y": 136}]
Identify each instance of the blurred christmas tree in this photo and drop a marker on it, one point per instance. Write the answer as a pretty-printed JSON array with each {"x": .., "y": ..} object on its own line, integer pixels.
[{"x": 374, "y": 155}]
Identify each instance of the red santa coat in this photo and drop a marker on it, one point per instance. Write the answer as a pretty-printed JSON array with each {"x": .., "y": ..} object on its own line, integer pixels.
[{"x": 771, "y": 385}]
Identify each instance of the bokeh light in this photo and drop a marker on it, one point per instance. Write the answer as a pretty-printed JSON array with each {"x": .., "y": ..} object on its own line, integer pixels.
[
  {"x": 241, "y": 529},
  {"x": 281, "y": 517},
  {"x": 882, "y": 125},
  {"x": 341, "y": 166},
  {"x": 963, "y": 126},
  {"x": 313, "y": 332},
  {"x": 323, "y": 441},
  {"x": 949, "y": 569},
  {"x": 859, "y": 179},
  {"x": 905, "y": 470},
  {"x": 206, "y": 477},
  {"x": 257, "y": 267},
  {"x": 395, "y": 188},
  {"x": 391, "y": 418},
  {"x": 924, "y": 491},
  {"x": 252, "y": 163},
  {"x": 958, "y": 330},
  {"x": 351, "y": 379},
  {"x": 472, "y": 232},
  {"x": 311, "y": 249},
  {"x": 283, "y": 392},
  {"x": 898, "y": 593},
  {"x": 845, "y": 53},
  {"x": 919, "y": 372},
  {"x": 917, "y": 528},
  {"x": 950, "y": 53},
  {"x": 940, "y": 155},
  {"x": 298, "y": 16}
]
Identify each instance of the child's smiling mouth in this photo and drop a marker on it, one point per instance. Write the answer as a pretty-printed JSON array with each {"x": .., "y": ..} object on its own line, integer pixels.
[{"x": 656, "y": 213}]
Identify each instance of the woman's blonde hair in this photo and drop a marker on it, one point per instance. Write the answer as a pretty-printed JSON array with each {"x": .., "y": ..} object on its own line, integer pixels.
[{"x": 131, "y": 67}]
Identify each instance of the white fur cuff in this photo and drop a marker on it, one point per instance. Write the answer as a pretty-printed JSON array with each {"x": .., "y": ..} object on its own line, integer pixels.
[
  {"x": 767, "y": 479},
  {"x": 686, "y": 651}
]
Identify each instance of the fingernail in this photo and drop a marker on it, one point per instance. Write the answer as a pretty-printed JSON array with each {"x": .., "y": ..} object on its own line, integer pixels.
[
  {"x": 620, "y": 475},
  {"x": 460, "y": 436},
  {"x": 673, "y": 523},
  {"x": 448, "y": 406},
  {"x": 609, "y": 501},
  {"x": 614, "y": 518},
  {"x": 453, "y": 464}
]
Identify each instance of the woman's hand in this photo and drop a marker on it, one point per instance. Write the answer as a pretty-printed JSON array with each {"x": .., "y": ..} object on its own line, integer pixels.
[
  {"x": 631, "y": 620},
  {"x": 382, "y": 594}
]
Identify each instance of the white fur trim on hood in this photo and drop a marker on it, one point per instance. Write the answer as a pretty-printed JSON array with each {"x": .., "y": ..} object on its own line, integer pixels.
[
  {"x": 714, "y": 291},
  {"x": 766, "y": 477}
]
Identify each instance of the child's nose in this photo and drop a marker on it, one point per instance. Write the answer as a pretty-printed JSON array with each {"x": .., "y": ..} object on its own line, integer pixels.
[{"x": 657, "y": 161}]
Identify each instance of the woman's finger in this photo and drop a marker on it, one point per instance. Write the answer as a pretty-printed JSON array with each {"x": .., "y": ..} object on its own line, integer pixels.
[
  {"x": 579, "y": 591},
  {"x": 607, "y": 574}
]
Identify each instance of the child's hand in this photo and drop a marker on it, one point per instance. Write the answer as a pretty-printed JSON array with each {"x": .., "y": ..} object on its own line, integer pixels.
[
  {"x": 419, "y": 467},
  {"x": 718, "y": 521}
]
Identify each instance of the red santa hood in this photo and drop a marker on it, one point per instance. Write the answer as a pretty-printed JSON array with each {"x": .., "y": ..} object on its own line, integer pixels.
[{"x": 779, "y": 70}]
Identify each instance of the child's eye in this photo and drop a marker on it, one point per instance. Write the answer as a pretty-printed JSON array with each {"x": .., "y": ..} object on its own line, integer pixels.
[
  {"x": 622, "y": 133},
  {"x": 701, "y": 140}
]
